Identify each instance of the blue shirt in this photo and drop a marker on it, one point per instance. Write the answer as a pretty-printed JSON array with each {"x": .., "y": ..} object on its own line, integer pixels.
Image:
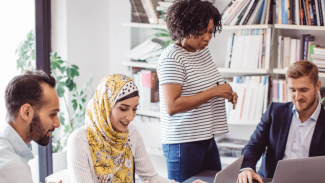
[
  {"x": 300, "y": 135},
  {"x": 14, "y": 156}
]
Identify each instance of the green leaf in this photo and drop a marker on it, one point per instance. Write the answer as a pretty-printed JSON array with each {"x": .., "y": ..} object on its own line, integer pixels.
[
  {"x": 67, "y": 127},
  {"x": 159, "y": 29},
  {"x": 74, "y": 95},
  {"x": 59, "y": 78},
  {"x": 68, "y": 82},
  {"x": 63, "y": 69},
  {"x": 83, "y": 100},
  {"x": 81, "y": 92},
  {"x": 60, "y": 90},
  {"x": 61, "y": 118},
  {"x": 75, "y": 104},
  {"x": 80, "y": 106},
  {"x": 75, "y": 72},
  {"x": 74, "y": 66},
  {"x": 74, "y": 86},
  {"x": 162, "y": 35},
  {"x": 69, "y": 72}
]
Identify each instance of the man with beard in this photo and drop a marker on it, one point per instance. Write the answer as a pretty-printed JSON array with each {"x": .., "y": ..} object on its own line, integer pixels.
[
  {"x": 32, "y": 114},
  {"x": 288, "y": 130}
]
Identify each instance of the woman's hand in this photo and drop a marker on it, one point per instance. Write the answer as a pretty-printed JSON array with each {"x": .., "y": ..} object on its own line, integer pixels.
[
  {"x": 234, "y": 99},
  {"x": 223, "y": 91}
]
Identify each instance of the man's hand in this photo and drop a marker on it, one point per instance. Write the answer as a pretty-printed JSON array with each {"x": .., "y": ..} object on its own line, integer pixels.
[
  {"x": 199, "y": 181},
  {"x": 250, "y": 175}
]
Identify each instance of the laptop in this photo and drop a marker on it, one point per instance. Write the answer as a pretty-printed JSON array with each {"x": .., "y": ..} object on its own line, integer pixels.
[
  {"x": 230, "y": 173},
  {"x": 300, "y": 170}
]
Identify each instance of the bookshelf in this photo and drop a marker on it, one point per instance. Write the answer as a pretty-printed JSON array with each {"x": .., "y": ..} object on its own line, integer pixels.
[
  {"x": 224, "y": 27},
  {"x": 221, "y": 70},
  {"x": 299, "y": 27},
  {"x": 283, "y": 71}
]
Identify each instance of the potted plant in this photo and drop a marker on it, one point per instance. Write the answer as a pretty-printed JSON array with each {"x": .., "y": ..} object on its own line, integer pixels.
[{"x": 72, "y": 98}]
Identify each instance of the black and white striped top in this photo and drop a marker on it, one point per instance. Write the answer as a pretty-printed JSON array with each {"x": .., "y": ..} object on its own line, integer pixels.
[{"x": 196, "y": 72}]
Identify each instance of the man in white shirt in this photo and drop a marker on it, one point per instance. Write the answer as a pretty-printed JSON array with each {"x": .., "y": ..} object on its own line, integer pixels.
[
  {"x": 288, "y": 130},
  {"x": 32, "y": 114}
]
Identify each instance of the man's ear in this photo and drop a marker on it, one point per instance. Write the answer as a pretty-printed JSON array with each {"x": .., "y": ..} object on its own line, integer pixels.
[{"x": 26, "y": 112}]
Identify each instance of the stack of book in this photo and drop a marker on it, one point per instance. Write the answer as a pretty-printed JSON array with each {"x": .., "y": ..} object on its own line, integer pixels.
[
  {"x": 300, "y": 12},
  {"x": 252, "y": 99},
  {"x": 148, "y": 86},
  {"x": 248, "y": 12},
  {"x": 291, "y": 50},
  {"x": 163, "y": 8},
  {"x": 144, "y": 11},
  {"x": 280, "y": 91},
  {"x": 254, "y": 56},
  {"x": 317, "y": 56}
]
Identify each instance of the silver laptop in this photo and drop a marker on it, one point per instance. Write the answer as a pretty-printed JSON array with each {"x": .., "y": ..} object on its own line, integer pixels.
[
  {"x": 230, "y": 173},
  {"x": 300, "y": 170}
]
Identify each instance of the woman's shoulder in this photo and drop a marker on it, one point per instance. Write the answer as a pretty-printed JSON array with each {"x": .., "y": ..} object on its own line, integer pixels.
[
  {"x": 172, "y": 52},
  {"x": 79, "y": 135}
]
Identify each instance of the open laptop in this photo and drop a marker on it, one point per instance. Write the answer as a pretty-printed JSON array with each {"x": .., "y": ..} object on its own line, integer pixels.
[
  {"x": 300, "y": 170},
  {"x": 230, "y": 173}
]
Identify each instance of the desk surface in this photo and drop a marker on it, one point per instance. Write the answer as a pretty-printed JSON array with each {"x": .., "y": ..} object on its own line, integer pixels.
[{"x": 208, "y": 176}]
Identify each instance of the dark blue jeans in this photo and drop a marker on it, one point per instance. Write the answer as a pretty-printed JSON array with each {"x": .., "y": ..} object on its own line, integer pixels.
[{"x": 188, "y": 159}]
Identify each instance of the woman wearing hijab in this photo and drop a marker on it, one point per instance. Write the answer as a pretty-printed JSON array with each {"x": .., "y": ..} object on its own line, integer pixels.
[{"x": 108, "y": 148}]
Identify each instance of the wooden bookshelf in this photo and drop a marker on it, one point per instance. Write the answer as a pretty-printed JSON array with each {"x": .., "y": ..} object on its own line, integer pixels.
[
  {"x": 224, "y": 27},
  {"x": 283, "y": 71},
  {"x": 299, "y": 27},
  {"x": 154, "y": 114}
]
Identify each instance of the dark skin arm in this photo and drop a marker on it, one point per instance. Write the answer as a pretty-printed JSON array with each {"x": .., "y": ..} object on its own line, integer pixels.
[{"x": 175, "y": 103}]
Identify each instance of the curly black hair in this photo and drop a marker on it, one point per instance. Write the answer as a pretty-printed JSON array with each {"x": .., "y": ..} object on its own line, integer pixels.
[{"x": 187, "y": 18}]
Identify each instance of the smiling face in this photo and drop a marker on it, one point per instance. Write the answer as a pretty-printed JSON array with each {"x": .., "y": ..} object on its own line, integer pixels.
[
  {"x": 303, "y": 93},
  {"x": 45, "y": 119},
  {"x": 199, "y": 43},
  {"x": 123, "y": 113}
]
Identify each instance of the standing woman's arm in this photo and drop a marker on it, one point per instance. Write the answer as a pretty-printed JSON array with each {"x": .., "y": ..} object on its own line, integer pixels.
[
  {"x": 175, "y": 103},
  {"x": 171, "y": 75}
]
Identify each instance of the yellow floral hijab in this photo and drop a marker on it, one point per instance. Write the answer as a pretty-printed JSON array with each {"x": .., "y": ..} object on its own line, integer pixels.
[{"x": 110, "y": 151}]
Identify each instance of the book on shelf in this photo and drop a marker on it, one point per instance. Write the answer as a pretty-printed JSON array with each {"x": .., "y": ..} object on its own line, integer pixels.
[
  {"x": 280, "y": 91},
  {"x": 291, "y": 50},
  {"x": 144, "y": 11},
  {"x": 255, "y": 56},
  {"x": 148, "y": 51},
  {"x": 300, "y": 12},
  {"x": 248, "y": 12},
  {"x": 148, "y": 86},
  {"x": 317, "y": 56},
  {"x": 252, "y": 94}
]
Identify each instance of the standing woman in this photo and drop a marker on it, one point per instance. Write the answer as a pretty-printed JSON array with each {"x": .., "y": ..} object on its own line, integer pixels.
[{"x": 192, "y": 91}]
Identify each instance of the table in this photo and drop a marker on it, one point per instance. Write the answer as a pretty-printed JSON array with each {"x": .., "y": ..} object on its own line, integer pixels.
[{"x": 208, "y": 176}]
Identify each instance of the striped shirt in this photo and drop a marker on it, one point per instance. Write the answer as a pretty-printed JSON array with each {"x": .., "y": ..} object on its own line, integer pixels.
[{"x": 196, "y": 72}]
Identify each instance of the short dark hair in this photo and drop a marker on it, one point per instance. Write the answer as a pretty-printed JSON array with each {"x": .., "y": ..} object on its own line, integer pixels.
[
  {"x": 26, "y": 88},
  {"x": 303, "y": 68},
  {"x": 187, "y": 18}
]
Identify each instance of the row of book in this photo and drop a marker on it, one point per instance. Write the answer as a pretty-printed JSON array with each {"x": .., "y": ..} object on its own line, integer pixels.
[
  {"x": 248, "y": 12},
  {"x": 254, "y": 56},
  {"x": 252, "y": 100},
  {"x": 291, "y": 50},
  {"x": 148, "y": 86},
  {"x": 300, "y": 12},
  {"x": 280, "y": 91},
  {"x": 144, "y": 11}
]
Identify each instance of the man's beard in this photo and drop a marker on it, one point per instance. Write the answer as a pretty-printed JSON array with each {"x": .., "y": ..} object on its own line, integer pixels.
[
  {"x": 309, "y": 104},
  {"x": 37, "y": 132}
]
